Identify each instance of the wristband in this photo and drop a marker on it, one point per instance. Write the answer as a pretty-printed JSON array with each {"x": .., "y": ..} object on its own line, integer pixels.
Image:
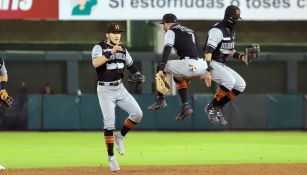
[
  {"x": 3, "y": 84},
  {"x": 162, "y": 66},
  {"x": 209, "y": 68}
]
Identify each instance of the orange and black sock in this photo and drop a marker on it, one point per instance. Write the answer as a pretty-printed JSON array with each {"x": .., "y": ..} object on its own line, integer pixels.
[
  {"x": 182, "y": 87},
  {"x": 231, "y": 95},
  {"x": 219, "y": 94},
  {"x": 109, "y": 140},
  {"x": 128, "y": 125}
]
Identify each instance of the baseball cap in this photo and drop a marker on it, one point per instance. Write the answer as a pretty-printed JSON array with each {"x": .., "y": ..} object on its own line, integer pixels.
[
  {"x": 233, "y": 11},
  {"x": 169, "y": 17},
  {"x": 113, "y": 28}
]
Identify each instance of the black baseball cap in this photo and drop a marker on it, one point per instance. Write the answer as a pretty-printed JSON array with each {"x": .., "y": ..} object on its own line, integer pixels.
[
  {"x": 233, "y": 12},
  {"x": 169, "y": 18},
  {"x": 113, "y": 28}
]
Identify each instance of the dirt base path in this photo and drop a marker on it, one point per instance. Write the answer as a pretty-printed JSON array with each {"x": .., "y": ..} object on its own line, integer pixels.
[{"x": 265, "y": 169}]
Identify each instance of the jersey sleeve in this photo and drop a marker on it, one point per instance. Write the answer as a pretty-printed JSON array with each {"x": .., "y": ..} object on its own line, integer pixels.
[
  {"x": 215, "y": 36},
  {"x": 169, "y": 38},
  {"x": 96, "y": 52},
  {"x": 129, "y": 60},
  {"x": 3, "y": 70}
]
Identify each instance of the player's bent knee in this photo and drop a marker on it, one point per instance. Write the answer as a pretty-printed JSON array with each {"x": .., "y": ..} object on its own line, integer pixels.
[
  {"x": 241, "y": 87},
  {"x": 137, "y": 117},
  {"x": 229, "y": 84}
]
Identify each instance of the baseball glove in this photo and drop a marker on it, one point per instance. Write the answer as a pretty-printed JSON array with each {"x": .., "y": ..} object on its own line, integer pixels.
[
  {"x": 162, "y": 85},
  {"x": 6, "y": 101},
  {"x": 250, "y": 53},
  {"x": 136, "y": 78}
]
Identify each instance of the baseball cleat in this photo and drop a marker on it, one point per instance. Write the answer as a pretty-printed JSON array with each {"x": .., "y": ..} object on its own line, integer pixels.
[
  {"x": 119, "y": 141},
  {"x": 159, "y": 104},
  {"x": 220, "y": 117},
  {"x": 186, "y": 111},
  {"x": 211, "y": 113},
  {"x": 113, "y": 164}
]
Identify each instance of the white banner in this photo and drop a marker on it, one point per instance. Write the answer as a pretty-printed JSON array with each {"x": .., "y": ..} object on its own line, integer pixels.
[{"x": 183, "y": 9}]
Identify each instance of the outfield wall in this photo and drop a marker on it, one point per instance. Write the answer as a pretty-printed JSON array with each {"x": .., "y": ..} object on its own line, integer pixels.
[{"x": 69, "y": 112}]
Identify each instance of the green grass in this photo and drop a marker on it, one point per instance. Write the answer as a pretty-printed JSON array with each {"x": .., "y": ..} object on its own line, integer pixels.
[{"x": 69, "y": 149}]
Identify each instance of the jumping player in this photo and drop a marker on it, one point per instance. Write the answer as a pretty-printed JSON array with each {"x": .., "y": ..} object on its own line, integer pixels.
[
  {"x": 190, "y": 64},
  {"x": 220, "y": 45}
]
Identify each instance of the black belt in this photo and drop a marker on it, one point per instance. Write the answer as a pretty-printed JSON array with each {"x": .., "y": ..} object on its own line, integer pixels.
[
  {"x": 194, "y": 58},
  {"x": 108, "y": 83}
]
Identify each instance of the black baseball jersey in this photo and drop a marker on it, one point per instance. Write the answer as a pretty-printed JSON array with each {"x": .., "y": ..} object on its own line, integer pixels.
[
  {"x": 220, "y": 42},
  {"x": 113, "y": 69},
  {"x": 184, "y": 40}
]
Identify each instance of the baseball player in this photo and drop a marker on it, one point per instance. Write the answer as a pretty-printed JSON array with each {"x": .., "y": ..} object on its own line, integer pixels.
[
  {"x": 110, "y": 58},
  {"x": 189, "y": 66},
  {"x": 4, "y": 97},
  {"x": 220, "y": 45}
]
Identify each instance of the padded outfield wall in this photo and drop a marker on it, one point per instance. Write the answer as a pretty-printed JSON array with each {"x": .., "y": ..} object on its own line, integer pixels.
[{"x": 247, "y": 112}]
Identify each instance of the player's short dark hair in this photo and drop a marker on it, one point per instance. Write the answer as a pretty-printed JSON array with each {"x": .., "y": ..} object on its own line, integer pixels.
[{"x": 169, "y": 18}]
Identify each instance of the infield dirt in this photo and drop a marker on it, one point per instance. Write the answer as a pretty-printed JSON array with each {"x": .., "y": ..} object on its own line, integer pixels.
[{"x": 245, "y": 169}]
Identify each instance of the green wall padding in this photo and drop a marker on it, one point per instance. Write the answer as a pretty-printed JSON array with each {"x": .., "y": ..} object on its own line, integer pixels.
[
  {"x": 35, "y": 112},
  {"x": 285, "y": 112},
  {"x": 61, "y": 112},
  {"x": 246, "y": 112},
  {"x": 90, "y": 112},
  {"x": 68, "y": 112},
  {"x": 148, "y": 120},
  {"x": 165, "y": 118}
]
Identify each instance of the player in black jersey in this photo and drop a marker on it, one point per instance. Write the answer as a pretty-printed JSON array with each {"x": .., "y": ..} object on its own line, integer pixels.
[
  {"x": 109, "y": 58},
  {"x": 219, "y": 46},
  {"x": 190, "y": 64}
]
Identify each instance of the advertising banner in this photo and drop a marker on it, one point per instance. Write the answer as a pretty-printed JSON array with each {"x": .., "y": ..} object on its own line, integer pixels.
[
  {"x": 29, "y": 9},
  {"x": 183, "y": 9}
]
